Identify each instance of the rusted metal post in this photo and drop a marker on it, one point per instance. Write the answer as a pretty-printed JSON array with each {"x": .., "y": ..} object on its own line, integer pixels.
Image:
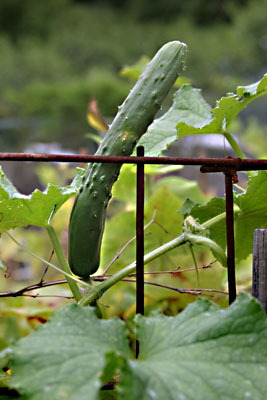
[
  {"x": 140, "y": 234},
  {"x": 230, "y": 236},
  {"x": 259, "y": 278}
]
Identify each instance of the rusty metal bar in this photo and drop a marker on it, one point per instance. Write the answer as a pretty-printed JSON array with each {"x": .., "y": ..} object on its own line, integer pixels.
[
  {"x": 229, "y": 166},
  {"x": 140, "y": 234},
  {"x": 230, "y": 236},
  {"x": 213, "y": 164}
]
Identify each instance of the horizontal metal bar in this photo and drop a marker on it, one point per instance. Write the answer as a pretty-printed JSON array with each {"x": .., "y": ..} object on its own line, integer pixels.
[{"x": 217, "y": 163}]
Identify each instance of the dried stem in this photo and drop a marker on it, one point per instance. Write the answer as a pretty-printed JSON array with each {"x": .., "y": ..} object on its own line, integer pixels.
[{"x": 101, "y": 278}]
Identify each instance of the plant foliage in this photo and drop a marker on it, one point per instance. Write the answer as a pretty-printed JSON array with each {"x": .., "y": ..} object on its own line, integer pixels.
[{"x": 203, "y": 353}]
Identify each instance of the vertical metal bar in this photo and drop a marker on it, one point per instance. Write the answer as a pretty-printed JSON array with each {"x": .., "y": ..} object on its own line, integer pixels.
[
  {"x": 140, "y": 234},
  {"x": 230, "y": 236}
]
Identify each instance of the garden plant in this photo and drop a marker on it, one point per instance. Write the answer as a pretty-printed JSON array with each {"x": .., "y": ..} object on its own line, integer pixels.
[{"x": 204, "y": 352}]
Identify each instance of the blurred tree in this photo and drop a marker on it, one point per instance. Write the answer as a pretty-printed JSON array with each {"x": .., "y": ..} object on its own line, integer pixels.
[
  {"x": 202, "y": 12},
  {"x": 28, "y": 17}
]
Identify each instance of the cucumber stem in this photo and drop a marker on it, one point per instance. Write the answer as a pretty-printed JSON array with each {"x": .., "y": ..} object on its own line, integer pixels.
[
  {"x": 219, "y": 218},
  {"x": 235, "y": 146},
  {"x": 96, "y": 292}
]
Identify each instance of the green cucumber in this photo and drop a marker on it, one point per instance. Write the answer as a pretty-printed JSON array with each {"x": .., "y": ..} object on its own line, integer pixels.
[{"x": 134, "y": 116}]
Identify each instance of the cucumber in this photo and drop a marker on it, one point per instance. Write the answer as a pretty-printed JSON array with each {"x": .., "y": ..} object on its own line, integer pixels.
[{"x": 134, "y": 116}]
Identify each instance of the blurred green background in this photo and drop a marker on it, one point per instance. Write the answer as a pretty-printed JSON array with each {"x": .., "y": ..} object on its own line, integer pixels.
[{"x": 56, "y": 55}]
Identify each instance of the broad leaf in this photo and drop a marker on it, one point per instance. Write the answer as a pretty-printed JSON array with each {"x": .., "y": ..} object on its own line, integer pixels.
[
  {"x": 65, "y": 358},
  {"x": 18, "y": 210},
  {"x": 220, "y": 117},
  {"x": 204, "y": 353},
  {"x": 188, "y": 105},
  {"x": 191, "y": 114}
]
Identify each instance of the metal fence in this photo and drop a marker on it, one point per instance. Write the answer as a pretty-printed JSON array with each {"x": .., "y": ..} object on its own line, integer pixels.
[{"x": 228, "y": 166}]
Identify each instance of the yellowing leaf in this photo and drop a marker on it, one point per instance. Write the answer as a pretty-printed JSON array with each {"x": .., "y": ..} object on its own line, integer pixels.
[{"x": 95, "y": 118}]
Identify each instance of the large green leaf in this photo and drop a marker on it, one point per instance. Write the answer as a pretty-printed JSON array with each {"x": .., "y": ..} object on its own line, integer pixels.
[
  {"x": 188, "y": 105},
  {"x": 204, "y": 353},
  {"x": 65, "y": 358},
  {"x": 18, "y": 210},
  {"x": 227, "y": 108},
  {"x": 191, "y": 114}
]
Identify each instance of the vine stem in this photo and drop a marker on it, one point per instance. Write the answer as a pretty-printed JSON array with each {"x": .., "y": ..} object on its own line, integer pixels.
[
  {"x": 195, "y": 262},
  {"x": 235, "y": 146},
  {"x": 97, "y": 291},
  {"x": 219, "y": 218},
  {"x": 63, "y": 262}
]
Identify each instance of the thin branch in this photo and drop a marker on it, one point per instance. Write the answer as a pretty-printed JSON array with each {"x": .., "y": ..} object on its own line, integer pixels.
[
  {"x": 172, "y": 272},
  {"x": 46, "y": 267},
  {"x": 126, "y": 245},
  {"x": 20, "y": 292},
  {"x": 180, "y": 290},
  {"x": 101, "y": 278},
  {"x": 37, "y": 295}
]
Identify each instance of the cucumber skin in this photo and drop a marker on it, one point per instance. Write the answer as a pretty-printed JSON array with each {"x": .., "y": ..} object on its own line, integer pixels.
[{"x": 134, "y": 116}]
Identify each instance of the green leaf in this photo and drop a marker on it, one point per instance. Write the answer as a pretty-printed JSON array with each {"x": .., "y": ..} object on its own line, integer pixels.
[
  {"x": 191, "y": 114},
  {"x": 64, "y": 358},
  {"x": 184, "y": 188},
  {"x": 204, "y": 353},
  {"x": 168, "y": 223},
  {"x": 186, "y": 208},
  {"x": 188, "y": 105},
  {"x": 219, "y": 118},
  {"x": 253, "y": 214},
  {"x": 37, "y": 209}
]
